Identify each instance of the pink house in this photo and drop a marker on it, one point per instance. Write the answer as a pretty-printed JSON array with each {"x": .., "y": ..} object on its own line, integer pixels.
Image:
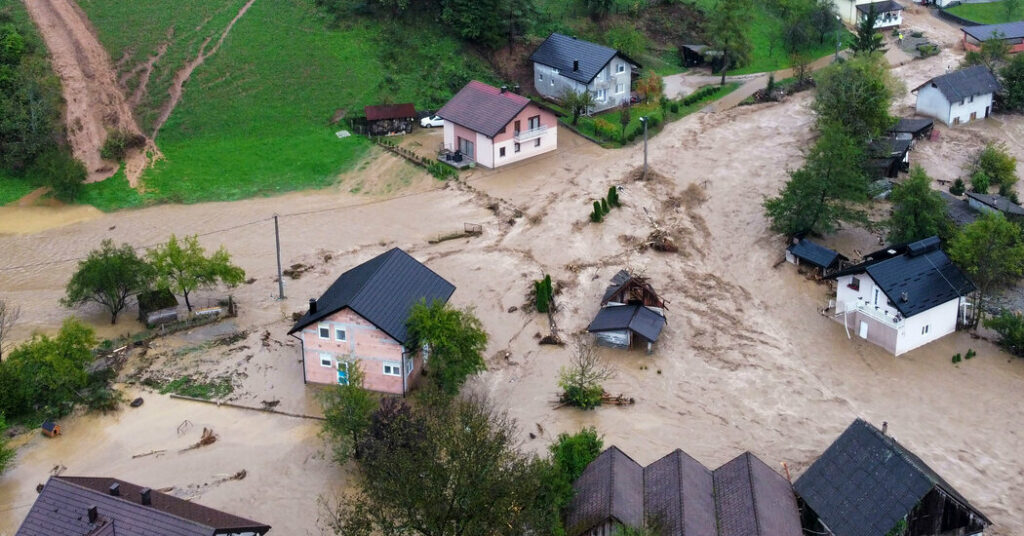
[
  {"x": 494, "y": 127},
  {"x": 360, "y": 322}
]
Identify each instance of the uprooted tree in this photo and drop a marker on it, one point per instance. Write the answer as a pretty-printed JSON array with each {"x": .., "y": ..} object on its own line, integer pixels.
[
  {"x": 581, "y": 380},
  {"x": 182, "y": 266}
]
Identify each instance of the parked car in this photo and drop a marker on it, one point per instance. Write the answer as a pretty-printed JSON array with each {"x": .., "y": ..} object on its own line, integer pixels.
[{"x": 431, "y": 121}]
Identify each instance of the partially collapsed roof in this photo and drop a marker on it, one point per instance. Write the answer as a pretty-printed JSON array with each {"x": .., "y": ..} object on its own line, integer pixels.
[
  {"x": 913, "y": 125},
  {"x": 483, "y": 108},
  {"x": 1006, "y": 30},
  {"x": 563, "y": 52},
  {"x": 62, "y": 507},
  {"x": 636, "y": 318},
  {"x": 866, "y": 482},
  {"x": 813, "y": 254},
  {"x": 959, "y": 85},
  {"x": 744, "y": 497},
  {"x": 382, "y": 290}
]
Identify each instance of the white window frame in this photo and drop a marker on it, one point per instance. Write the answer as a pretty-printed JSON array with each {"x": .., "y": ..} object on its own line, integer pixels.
[
  {"x": 320, "y": 331},
  {"x": 326, "y": 357},
  {"x": 344, "y": 334},
  {"x": 409, "y": 365},
  {"x": 620, "y": 87},
  {"x": 620, "y": 68},
  {"x": 395, "y": 366},
  {"x": 554, "y": 71},
  {"x": 602, "y": 94}
]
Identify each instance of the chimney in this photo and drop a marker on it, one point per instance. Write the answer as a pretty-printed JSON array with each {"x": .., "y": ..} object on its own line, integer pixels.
[
  {"x": 504, "y": 89},
  {"x": 575, "y": 65},
  {"x": 146, "y": 499},
  {"x": 93, "y": 514},
  {"x": 515, "y": 89},
  {"x": 312, "y": 306},
  {"x": 885, "y": 427},
  {"x": 115, "y": 489}
]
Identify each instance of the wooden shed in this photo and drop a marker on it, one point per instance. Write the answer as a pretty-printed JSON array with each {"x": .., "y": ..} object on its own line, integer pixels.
[
  {"x": 50, "y": 429},
  {"x": 390, "y": 119},
  {"x": 631, "y": 312}
]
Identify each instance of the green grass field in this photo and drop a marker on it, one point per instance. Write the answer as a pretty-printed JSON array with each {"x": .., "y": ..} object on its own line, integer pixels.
[
  {"x": 990, "y": 13},
  {"x": 13, "y": 188}
]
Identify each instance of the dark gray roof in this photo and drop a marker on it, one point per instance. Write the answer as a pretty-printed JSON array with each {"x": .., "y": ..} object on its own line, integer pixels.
[
  {"x": 62, "y": 507},
  {"x": 679, "y": 495},
  {"x": 888, "y": 147},
  {"x": 998, "y": 202},
  {"x": 958, "y": 209},
  {"x": 884, "y": 6},
  {"x": 913, "y": 125},
  {"x": 636, "y": 318},
  {"x": 610, "y": 488},
  {"x": 382, "y": 290},
  {"x": 916, "y": 278},
  {"x": 483, "y": 108},
  {"x": 1006, "y": 30},
  {"x": 970, "y": 82},
  {"x": 865, "y": 482},
  {"x": 618, "y": 281},
  {"x": 812, "y": 253},
  {"x": 560, "y": 51},
  {"x": 754, "y": 500}
]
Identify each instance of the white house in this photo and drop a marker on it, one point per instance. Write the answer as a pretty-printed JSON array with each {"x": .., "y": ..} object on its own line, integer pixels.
[
  {"x": 958, "y": 97},
  {"x": 563, "y": 63},
  {"x": 853, "y": 12},
  {"x": 902, "y": 297}
]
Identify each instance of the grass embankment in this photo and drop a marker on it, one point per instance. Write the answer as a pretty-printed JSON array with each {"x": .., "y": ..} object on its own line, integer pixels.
[
  {"x": 990, "y": 13},
  {"x": 254, "y": 117},
  {"x": 13, "y": 188},
  {"x": 607, "y": 126}
]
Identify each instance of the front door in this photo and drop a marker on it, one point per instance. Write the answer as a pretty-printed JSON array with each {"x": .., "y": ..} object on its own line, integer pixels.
[
  {"x": 987, "y": 108},
  {"x": 863, "y": 329},
  {"x": 466, "y": 147},
  {"x": 974, "y": 115},
  {"x": 342, "y": 372}
]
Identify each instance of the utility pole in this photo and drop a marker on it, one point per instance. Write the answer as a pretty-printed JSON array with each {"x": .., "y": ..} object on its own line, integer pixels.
[
  {"x": 280, "y": 277},
  {"x": 644, "y": 121}
]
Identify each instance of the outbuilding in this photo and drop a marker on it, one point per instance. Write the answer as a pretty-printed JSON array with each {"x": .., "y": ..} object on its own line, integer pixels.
[
  {"x": 913, "y": 127},
  {"x": 631, "y": 312},
  {"x": 1010, "y": 32},
  {"x": 804, "y": 252},
  {"x": 390, "y": 119},
  {"x": 994, "y": 203},
  {"x": 853, "y": 12},
  {"x": 889, "y": 156},
  {"x": 958, "y": 97}
]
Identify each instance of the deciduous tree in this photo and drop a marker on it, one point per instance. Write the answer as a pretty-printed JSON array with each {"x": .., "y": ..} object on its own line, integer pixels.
[
  {"x": 992, "y": 54},
  {"x": 183, "y": 267},
  {"x": 348, "y": 409},
  {"x": 9, "y": 314},
  {"x": 454, "y": 340},
  {"x": 1013, "y": 83},
  {"x": 46, "y": 374},
  {"x": 727, "y": 31},
  {"x": 919, "y": 211},
  {"x": 998, "y": 166},
  {"x": 573, "y": 453},
  {"x": 109, "y": 276},
  {"x": 991, "y": 251},
  {"x": 581, "y": 380},
  {"x": 855, "y": 96}
]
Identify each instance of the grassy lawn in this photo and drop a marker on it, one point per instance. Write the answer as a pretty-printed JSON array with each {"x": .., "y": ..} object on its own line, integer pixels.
[
  {"x": 990, "y": 13},
  {"x": 111, "y": 194},
  {"x": 254, "y": 117}
]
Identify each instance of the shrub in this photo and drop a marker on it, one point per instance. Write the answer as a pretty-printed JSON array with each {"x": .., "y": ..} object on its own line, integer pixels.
[
  {"x": 572, "y": 454},
  {"x": 1010, "y": 327},
  {"x": 119, "y": 142},
  {"x": 674, "y": 107},
  {"x": 543, "y": 294},
  {"x": 596, "y": 215},
  {"x": 582, "y": 397},
  {"x": 604, "y": 206},
  {"x": 604, "y": 129},
  {"x": 958, "y": 187},
  {"x": 970, "y": 353},
  {"x": 956, "y": 358},
  {"x": 613, "y": 196},
  {"x": 61, "y": 172},
  {"x": 980, "y": 182}
]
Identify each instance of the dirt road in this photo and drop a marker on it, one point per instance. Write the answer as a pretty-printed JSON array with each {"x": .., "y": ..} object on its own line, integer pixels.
[{"x": 95, "y": 103}]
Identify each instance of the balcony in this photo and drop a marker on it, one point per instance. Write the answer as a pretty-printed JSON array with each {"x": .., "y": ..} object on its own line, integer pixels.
[
  {"x": 523, "y": 135},
  {"x": 877, "y": 313}
]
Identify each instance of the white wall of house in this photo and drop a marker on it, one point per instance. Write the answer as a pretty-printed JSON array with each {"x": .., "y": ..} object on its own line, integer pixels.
[
  {"x": 449, "y": 135},
  {"x": 484, "y": 150},
  {"x": 928, "y": 326},
  {"x": 847, "y": 11},
  {"x": 533, "y": 146},
  {"x": 979, "y": 206},
  {"x": 931, "y": 102},
  {"x": 610, "y": 87}
]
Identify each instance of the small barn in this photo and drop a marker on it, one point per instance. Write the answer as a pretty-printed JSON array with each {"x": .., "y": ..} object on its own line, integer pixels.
[
  {"x": 995, "y": 203},
  {"x": 804, "y": 252},
  {"x": 157, "y": 307},
  {"x": 630, "y": 289},
  {"x": 1010, "y": 32},
  {"x": 390, "y": 119},
  {"x": 631, "y": 312},
  {"x": 913, "y": 127}
]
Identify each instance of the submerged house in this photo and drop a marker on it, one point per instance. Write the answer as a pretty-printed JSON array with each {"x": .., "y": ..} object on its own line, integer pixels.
[
  {"x": 994, "y": 203},
  {"x": 493, "y": 126},
  {"x": 360, "y": 321},
  {"x": 631, "y": 312},
  {"x": 902, "y": 297},
  {"x": 853, "y": 12},
  {"x": 804, "y": 252},
  {"x": 101, "y": 506},
  {"x": 867, "y": 484},
  {"x": 563, "y": 63},
  {"x": 679, "y": 496},
  {"x": 1010, "y": 32},
  {"x": 959, "y": 96}
]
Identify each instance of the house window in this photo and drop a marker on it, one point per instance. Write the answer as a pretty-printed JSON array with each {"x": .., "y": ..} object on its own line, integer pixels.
[
  {"x": 924, "y": 330},
  {"x": 536, "y": 142},
  {"x": 602, "y": 94},
  {"x": 516, "y": 147},
  {"x": 501, "y": 152},
  {"x": 552, "y": 81},
  {"x": 409, "y": 365},
  {"x": 620, "y": 68},
  {"x": 541, "y": 77},
  {"x": 619, "y": 88},
  {"x": 326, "y": 360},
  {"x": 343, "y": 373},
  {"x": 340, "y": 335},
  {"x": 533, "y": 122},
  {"x": 392, "y": 369},
  {"x": 971, "y": 99},
  {"x": 325, "y": 331},
  {"x": 854, "y": 284}
]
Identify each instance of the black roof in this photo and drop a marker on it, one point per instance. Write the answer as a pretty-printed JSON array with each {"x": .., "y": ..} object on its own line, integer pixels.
[
  {"x": 679, "y": 492},
  {"x": 1006, "y": 30},
  {"x": 998, "y": 202},
  {"x": 958, "y": 85},
  {"x": 62, "y": 508},
  {"x": 812, "y": 253},
  {"x": 916, "y": 277},
  {"x": 560, "y": 51},
  {"x": 382, "y": 290},
  {"x": 888, "y": 147},
  {"x": 884, "y": 6},
  {"x": 611, "y": 487},
  {"x": 636, "y": 318},
  {"x": 865, "y": 482},
  {"x": 958, "y": 209},
  {"x": 912, "y": 125}
]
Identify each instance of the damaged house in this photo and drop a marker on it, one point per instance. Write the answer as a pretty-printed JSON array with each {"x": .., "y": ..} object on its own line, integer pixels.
[{"x": 631, "y": 313}]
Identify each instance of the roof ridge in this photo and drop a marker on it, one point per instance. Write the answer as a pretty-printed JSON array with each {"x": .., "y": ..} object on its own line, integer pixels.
[
  {"x": 151, "y": 507},
  {"x": 682, "y": 497},
  {"x": 753, "y": 496}
]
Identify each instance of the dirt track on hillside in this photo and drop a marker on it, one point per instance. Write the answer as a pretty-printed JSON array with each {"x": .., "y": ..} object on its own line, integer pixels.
[{"x": 95, "y": 103}]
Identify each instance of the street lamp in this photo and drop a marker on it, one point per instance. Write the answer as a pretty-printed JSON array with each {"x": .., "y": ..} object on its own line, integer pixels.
[{"x": 644, "y": 121}]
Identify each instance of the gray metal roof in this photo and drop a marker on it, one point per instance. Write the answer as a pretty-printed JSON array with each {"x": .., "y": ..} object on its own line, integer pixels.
[
  {"x": 959, "y": 85},
  {"x": 560, "y": 51},
  {"x": 812, "y": 253},
  {"x": 998, "y": 202},
  {"x": 679, "y": 492},
  {"x": 636, "y": 318},
  {"x": 610, "y": 488},
  {"x": 1006, "y": 30},
  {"x": 865, "y": 482},
  {"x": 382, "y": 290},
  {"x": 958, "y": 209},
  {"x": 913, "y": 125},
  {"x": 883, "y": 6},
  {"x": 62, "y": 509},
  {"x": 483, "y": 108}
]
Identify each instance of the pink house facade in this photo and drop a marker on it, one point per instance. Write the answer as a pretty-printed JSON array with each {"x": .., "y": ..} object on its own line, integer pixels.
[
  {"x": 494, "y": 127},
  {"x": 360, "y": 322}
]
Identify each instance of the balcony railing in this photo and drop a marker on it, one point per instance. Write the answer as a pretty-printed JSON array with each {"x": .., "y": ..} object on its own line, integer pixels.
[
  {"x": 521, "y": 135},
  {"x": 878, "y": 313}
]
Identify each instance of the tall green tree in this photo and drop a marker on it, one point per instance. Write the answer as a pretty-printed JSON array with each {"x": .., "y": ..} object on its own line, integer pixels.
[
  {"x": 991, "y": 251},
  {"x": 454, "y": 340},
  {"x": 47, "y": 374},
  {"x": 6, "y": 453},
  {"x": 994, "y": 165},
  {"x": 1012, "y": 9},
  {"x": 599, "y": 9},
  {"x": 855, "y": 96},
  {"x": 824, "y": 19},
  {"x": 183, "y": 267},
  {"x": 109, "y": 276},
  {"x": 823, "y": 192},
  {"x": 1013, "y": 83},
  {"x": 572, "y": 454},
  {"x": 919, "y": 211},
  {"x": 727, "y": 31},
  {"x": 489, "y": 22},
  {"x": 867, "y": 41},
  {"x": 348, "y": 409},
  {"x": 992, "y": 54}
]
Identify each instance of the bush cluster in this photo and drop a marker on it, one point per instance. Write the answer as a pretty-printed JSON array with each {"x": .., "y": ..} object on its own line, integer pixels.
[
  {"x": 544, "y": 294},
  {"x": 119, "y": 142},
  {"x": 701, "y": 94}
]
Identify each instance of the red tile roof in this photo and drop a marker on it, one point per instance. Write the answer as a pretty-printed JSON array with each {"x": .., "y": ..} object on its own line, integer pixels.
[
  {"x": 483, "y": 108},
  {"x": 389, "y": 111}
]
